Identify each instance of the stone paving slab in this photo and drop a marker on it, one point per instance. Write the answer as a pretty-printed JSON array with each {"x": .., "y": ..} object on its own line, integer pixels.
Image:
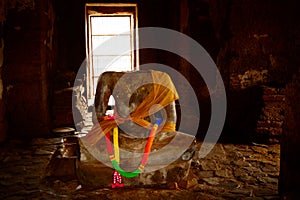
[{"x": 228, "y": 172}]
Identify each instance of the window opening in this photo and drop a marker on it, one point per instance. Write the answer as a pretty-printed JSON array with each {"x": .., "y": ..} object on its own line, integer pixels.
[{"x": 111, "y": 39}]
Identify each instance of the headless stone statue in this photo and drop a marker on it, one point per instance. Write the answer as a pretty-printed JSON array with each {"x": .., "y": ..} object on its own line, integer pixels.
[{"x": 165, "y": 163}]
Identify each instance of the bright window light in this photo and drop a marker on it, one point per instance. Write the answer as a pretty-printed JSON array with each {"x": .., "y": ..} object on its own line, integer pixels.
[{"x": 111, "y": 40}]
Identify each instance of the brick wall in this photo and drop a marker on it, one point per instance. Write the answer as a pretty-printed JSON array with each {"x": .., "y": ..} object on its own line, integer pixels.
[
  {"x": 253, "y": 60},
  {"x": 249, "y": 45},
  {"x": 270, "y": 124}
]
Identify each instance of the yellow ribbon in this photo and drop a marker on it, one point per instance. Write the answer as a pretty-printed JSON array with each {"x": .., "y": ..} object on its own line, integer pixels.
[{"x": 116, "y": 144}]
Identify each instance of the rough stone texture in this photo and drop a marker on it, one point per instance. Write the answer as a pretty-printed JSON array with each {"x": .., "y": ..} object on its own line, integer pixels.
[
  {"x": 290, "y": 162},
  {"x": 23, "y": 166},
  {"x": 129, "y": 90},
  {"x": 250, "y": 49},
  {"x": 36, "y": 169},
  {"x": 270, "y": 122},
  {"x": 243, "y": 169},
  {"x": 3, "y": 126},
  {"x": 69, "y": 104},
  {"x": 289, "y": 173},
  {"x": 253, "y": 62},
  {"x": 163, "y": 166},
  {"x": 27, "y": 61},
  {"x": 249, "y": 41}
]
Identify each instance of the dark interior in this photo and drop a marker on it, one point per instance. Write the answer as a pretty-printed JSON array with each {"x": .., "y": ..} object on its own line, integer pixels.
[{"x": 255, "y": 45}]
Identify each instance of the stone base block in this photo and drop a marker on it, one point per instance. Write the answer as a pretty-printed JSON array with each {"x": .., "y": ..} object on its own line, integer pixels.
[{"x": 165, "y": 165}]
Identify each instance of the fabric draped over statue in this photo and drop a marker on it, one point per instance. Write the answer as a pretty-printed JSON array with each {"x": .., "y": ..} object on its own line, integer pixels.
[{"x": 162, "y": 94}]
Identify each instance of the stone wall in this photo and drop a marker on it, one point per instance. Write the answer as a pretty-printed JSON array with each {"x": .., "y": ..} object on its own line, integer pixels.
[
  {"x": 2, "y": 105},
  {"x": 27, "y": 53},
  {"x": 253, "y": 60},
  {"x": 270, "y": 122},
  {"x": 290, "y": 160},
  {"x": 247, "y": 40}
]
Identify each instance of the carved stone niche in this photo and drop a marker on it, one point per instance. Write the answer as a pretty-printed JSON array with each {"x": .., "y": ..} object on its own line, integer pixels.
[{"x": 167, "y": 163}]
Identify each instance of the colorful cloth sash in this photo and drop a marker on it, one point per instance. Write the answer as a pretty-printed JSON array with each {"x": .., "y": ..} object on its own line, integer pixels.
[{"x": 163, "y": 94}]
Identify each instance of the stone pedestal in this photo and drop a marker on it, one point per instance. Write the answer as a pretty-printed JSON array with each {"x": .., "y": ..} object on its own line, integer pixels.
[{"x": 167, "y": 163}]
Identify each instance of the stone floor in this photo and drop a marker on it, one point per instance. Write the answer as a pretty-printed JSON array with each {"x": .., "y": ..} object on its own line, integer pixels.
[{"x": 228, "y": 172}]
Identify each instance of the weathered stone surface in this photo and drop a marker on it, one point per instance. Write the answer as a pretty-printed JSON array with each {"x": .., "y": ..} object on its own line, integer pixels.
[
  {"x": 69, "y": 106},
  {"x": 204, "y": 174},
  {"x": 94, "y": 174},
  {"x": 159, "y": 170},
  {"x": 165, "y": 163},
  {"x": 249, "y": 39},
  {"x": 212, "y": 180},
  {"x": 26, "y": 69},
  {"x": 208, "y": 165},
  {"x": 251, "y": 62},
  {"x": 25, "y": 174},
  {"x": 3, "y": 128},
  {"x": 225, "y": 173},
  {"x": 243, "y": 167},
  {"x": 191, "y": 181},
  {"x": 290, "y": 160}
]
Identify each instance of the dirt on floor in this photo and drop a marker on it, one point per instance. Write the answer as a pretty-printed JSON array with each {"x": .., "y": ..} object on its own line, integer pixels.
[{"x": 229, "y": 171}]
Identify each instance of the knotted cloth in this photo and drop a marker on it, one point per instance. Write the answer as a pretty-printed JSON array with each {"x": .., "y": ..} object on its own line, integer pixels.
[{"x": 162, "y": 94}]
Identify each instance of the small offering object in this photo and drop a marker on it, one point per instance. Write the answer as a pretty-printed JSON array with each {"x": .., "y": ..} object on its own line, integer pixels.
[{"x": 117, "y": 180}]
